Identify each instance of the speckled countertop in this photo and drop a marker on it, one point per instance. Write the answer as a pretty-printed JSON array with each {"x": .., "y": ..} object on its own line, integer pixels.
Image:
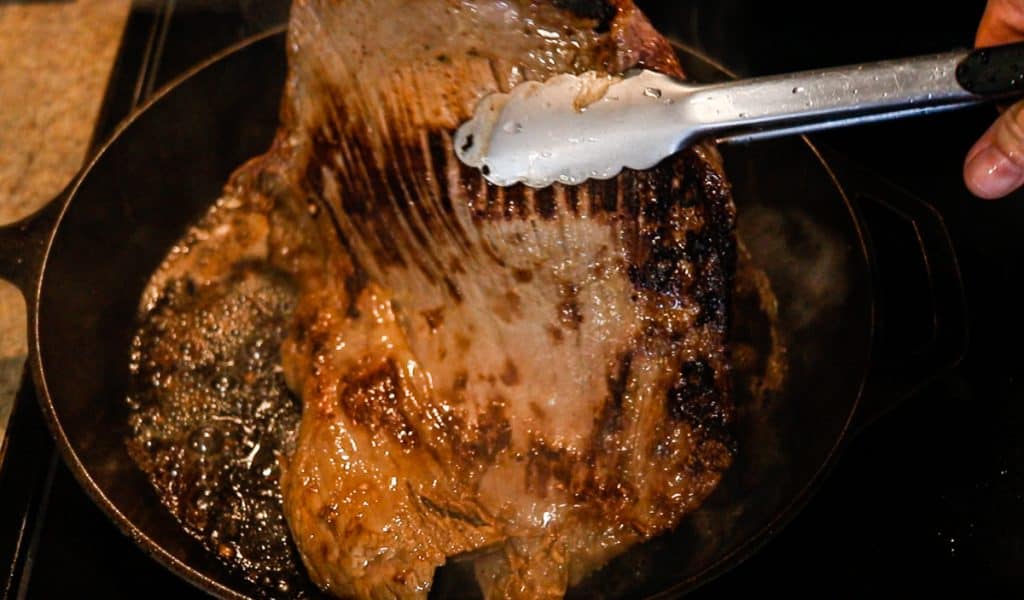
[{"x": 55, "y": 58}]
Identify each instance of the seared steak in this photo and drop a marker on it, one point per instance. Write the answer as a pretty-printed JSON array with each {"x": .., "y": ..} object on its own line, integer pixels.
[{"x": 532, "y": 379}]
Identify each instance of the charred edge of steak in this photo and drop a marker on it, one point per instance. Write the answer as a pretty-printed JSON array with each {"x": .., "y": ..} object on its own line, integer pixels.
[
  {"x": 600, "y": 10},
  {"x": 688, "y": 184},
  {"x": 697, "y": 399},
  {"x": 693, "y": 396},
  {"x": 715, "y": 286},
  {"x": 688, "y": 251}
]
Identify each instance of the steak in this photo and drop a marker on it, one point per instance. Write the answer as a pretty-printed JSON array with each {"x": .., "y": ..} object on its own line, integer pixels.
[
  {"x": 528, "y": 380},
  {"x": 531, "y": 380}
]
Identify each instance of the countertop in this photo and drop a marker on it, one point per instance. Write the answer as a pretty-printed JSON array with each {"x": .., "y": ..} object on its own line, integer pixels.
[{"x": 57, "y": 57}]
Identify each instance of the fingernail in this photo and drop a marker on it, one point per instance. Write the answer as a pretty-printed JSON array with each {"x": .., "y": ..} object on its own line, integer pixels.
[{"x": 991, "y": 174}]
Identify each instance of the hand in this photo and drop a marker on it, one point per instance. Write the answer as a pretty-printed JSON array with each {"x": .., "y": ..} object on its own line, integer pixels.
[{"x": 995, "y": 165}]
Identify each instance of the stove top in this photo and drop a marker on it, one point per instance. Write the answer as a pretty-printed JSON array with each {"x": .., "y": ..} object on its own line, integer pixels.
[{"x": 930, "y": 498}]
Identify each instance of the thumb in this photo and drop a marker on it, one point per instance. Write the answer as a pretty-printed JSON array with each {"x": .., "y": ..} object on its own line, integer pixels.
[{"x": 995, "y": 165}]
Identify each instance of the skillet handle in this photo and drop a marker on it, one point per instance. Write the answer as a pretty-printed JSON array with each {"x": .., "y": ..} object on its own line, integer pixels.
[
  {"x": 22, "y": 248},
  {"x": 23, "y": 245},
  {"x": 921, "y": 311}
]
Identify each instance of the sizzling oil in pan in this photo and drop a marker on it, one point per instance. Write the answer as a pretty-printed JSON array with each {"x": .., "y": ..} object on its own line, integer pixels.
[{"x": 211, "y": 414}]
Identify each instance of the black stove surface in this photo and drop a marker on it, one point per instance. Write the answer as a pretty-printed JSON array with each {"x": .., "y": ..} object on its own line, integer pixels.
[{"x": 928, "y": 499}]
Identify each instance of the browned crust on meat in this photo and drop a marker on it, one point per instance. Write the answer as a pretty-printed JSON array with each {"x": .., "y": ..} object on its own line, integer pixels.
[{"x": 444, "y": 306}]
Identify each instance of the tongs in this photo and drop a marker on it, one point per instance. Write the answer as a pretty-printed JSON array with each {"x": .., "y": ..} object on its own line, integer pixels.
[{"x": 571, "y": 128}]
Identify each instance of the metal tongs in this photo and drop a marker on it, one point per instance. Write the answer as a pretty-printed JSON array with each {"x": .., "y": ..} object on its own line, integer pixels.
[{"x": 571, "y": 128}]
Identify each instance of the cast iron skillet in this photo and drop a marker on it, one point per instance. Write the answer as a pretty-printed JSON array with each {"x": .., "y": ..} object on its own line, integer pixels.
[{"x": 83, "y": 261}]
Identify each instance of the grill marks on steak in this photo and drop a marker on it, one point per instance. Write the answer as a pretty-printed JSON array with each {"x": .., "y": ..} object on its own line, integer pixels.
[{"x": 535, "y": 379}]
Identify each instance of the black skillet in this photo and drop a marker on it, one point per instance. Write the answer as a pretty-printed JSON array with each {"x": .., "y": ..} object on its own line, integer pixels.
[{"x": 83, "y": 260}]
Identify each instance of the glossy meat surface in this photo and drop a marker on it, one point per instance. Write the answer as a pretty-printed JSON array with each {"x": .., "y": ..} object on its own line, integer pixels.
[{"x": 534, "y": 380}]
